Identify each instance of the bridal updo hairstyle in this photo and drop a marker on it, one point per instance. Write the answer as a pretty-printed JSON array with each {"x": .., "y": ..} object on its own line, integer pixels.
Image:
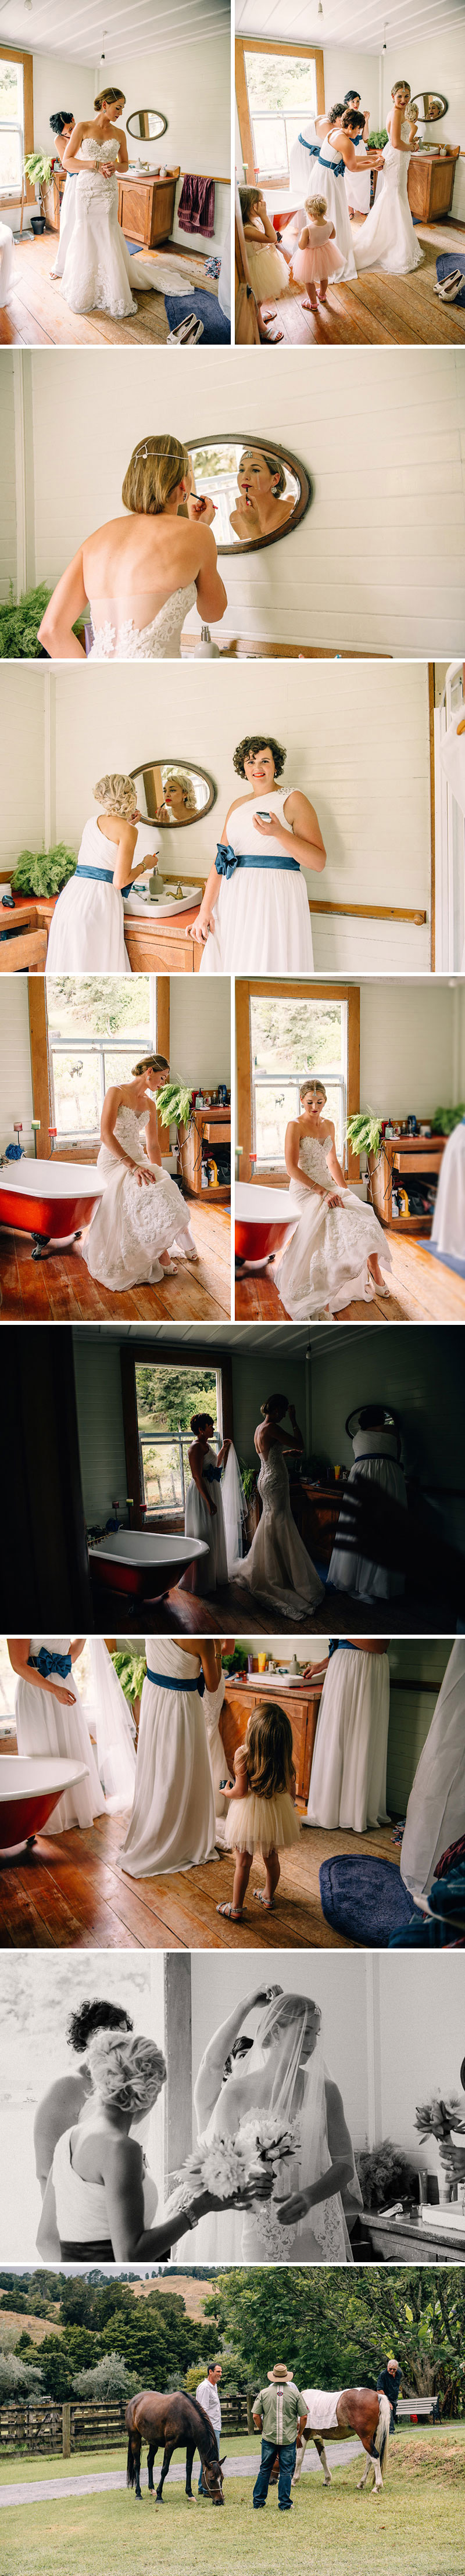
[
  {"x": 252, "y": 743},
  {"x": 126, "y": 2070},
  {"x": 401, "y": 85},
  {"x": 268, "y": 1751},
  {"x": 155, "y": 469},
  {"x": 310, "y": 1089},
  {"x": 109, "y": 98},
  {"x": 290, "y": 2011},
  {"x": 274, "y": 1404},
  {"x": 151, "y": 1064},
  {"x": 116, "y": 794}
]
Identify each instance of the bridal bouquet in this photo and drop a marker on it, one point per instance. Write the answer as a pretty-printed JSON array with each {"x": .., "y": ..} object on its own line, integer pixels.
[
  {"x": 438, "y": 2117},
  {"x": 227, "y": 2168}
]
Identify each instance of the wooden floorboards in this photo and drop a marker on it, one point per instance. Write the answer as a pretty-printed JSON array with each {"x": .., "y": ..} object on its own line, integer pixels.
[
  {"x": 422, "y": 1291},
  {"x": 233, "y": 1613},
  {"x": 36, "y": 315},
  {"x": 61, "y": 1290},
  {"x": 378, "y": 309},
  {"x": 69, "y": 1892}
]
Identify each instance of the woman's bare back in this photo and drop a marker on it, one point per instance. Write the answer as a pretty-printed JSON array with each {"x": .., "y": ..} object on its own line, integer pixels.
[{"x": 142, "y": 558}]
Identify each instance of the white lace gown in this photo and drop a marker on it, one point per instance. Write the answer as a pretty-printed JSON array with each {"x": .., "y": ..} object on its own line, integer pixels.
[
  {"x": 67, "y": 219},
  {"x": 348, "y": 1774},
  {"x": 326, "y": 1263},
  {"x": 278, "y": 1569},
  {"x": 172, "y": 1825},
  {"x": 262, "y": 918},
  {"x": 87, "y": 930},
  {"x": 142, "y": 636},
  {"x": 388, "y": 240},
  {"x": 449, "y": 1206},
  {"x": 135, "y": 1224},
  {"x": 99, "y": 273},
  {"x": 375, "y": 1457},
  {"x": 44, "y": 1726},
  {"x": 208, "y": 1573}
]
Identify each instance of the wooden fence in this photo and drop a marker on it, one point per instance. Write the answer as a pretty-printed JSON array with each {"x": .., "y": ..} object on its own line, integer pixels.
[{"x": 45, "y": 2425}]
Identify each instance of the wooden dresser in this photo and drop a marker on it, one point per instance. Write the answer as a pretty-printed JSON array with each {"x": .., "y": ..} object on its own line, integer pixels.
[
  {"x": 301, "y": 1705},
  {"x": 210, "y": 1126},
  {"x": 430, "y": 183},
  {"x": 404, "y": 1159},
  {"x": 316, "y": 1510},
  {"x": 146, "y": 207}
]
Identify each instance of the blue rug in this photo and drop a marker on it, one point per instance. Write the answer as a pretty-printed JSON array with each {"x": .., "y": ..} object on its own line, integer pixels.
[
  {"x": 207, "y": 310},
  {"x": 450, "y": 1260},
  {"x": 365, "y": 1899}
]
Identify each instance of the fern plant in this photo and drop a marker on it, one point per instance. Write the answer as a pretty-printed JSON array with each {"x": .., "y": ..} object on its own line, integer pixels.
[
  {"x": 364, "y": 1132},
  {"x": 445, "y": 1120},
  {"x": 174, "y": 1104},
  {"x": 130, "y": 1670},
  {"x": 38, "y": 169},
  {"x": 44, "y": 871},
  {"x": 19, "y": 623}
]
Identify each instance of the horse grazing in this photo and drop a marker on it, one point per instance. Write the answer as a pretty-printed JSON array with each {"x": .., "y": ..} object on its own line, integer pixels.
[
  {"x": 172, "y": 2420},
  {"x": 364, "y": 2411}
]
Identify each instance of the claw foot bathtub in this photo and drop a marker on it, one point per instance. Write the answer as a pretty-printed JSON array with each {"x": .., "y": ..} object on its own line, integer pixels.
[
  {"x": 30, "y": 1788},
  {"x": 262, "y": 1220},
  {"x": 52, "y": 1201},
  {"x": 142, "y": 1563}
]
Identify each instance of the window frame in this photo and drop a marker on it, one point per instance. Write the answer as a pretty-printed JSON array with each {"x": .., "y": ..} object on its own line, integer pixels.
[
  {"x": 14, "y": 54},
  {"x": 264, "y": 45},
  {"x": 172, "y": 1355},
  {"x": 331, "y": 991},
  {"x": 82, "y": 1149}
]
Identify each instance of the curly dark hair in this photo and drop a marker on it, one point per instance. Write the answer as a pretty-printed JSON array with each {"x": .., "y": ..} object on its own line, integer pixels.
[
  {"x": 352, "y": 117},
  {"x": 254, "y": 742},
  {"x": 89, "y": 2017},
  {"x": 351, "y": 94},
  {"x": 63, "y": 117}
]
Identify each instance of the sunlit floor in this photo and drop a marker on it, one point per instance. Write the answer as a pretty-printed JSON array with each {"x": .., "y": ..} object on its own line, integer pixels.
[
  {"x": 61, "y": 1286},
  {"x": 422, "y": 1290},
  {"x": 68, "y": 1892},
  {"x": 376, "y": 308},
  {"x": 36, "y": 314}
]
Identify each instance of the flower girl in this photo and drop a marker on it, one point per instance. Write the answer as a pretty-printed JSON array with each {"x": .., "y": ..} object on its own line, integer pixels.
[
  {"x": 317, "y": 257},
  {"x": 262, "y": 1815}
]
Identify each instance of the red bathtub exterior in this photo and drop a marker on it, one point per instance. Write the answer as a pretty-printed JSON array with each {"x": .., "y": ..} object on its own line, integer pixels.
[{"x": 51, "y": 1218}]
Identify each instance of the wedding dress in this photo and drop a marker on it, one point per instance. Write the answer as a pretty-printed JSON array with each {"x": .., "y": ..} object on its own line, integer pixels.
[
  {"x": 326, "y": 1263},
  {"x": 45, "y": 1726},
  {"x": 208, "y": 1573},
  {"x": 449, "y": 1206},
  {"x": 144, "y": 635},
  {"x": 272, "y": 2083},
  {"x": 436, "y": 1808},
  {"x": 375, "y": 1456},
  {"x": 388, "y": 240},
  {"x": 261, "y": 916},
  {"x": 67, "y": 219},
  {"x": 348, "y": 1774},
  {"x": 99, "y": 271},
  {"x": 87, "y": 930},
  {"x": 133, "y": 1222},
  {"x": 277, "y": 1567},
  {"x": 173, "y": 1818}
]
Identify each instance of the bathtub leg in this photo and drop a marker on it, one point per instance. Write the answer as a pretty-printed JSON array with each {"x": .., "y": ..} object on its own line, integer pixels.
[{"x": 44, "y": 1245}]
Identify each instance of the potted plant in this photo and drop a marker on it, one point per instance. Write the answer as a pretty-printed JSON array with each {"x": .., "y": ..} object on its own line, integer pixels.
[
  {"x": 44, "y": 871},
  {"x": 174, "y": 1106},
  {"x": 385, "y": 2174},
  {"x": 38, "y": 168},
  {"x": 445, "y": 1120}
]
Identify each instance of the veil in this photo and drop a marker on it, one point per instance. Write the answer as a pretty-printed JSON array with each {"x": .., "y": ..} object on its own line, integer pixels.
[
  {"x": 234, "y": 1511},
  {"x": 114, "y": 1730},
  {"x": 271, "y": 2083}
]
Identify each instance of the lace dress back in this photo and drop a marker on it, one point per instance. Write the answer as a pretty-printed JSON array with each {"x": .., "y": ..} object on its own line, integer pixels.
[{"x": 140, "y": 633}]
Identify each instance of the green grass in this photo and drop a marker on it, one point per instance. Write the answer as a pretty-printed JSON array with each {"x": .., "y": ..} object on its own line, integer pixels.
[{"x": 417, "y": 2525}]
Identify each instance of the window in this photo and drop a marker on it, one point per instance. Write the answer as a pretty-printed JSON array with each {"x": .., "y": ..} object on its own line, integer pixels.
[
  {"x": 289, "y": 1039},
  {"x": 165, "y": 1400},
  {"x": 95, "y": 1034},
  {"x": 278, "y": 89},
  {"x": 12, "y": 140}
]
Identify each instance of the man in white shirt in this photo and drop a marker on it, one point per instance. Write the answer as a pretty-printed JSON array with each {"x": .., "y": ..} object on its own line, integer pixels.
[{"x": 207, "y": 2396}]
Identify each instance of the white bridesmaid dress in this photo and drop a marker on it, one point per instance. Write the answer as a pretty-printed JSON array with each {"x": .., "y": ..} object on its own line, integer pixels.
[
  {"x": 449, "y": 1206},
  {"x": 436, "y": 1808},
  {"x": 99, "y": 272},
  {"x": 375, "y": 1457},
  {"x": 44, "y": 1726},
  {"x": 173, "y": 1818},
  {"x": 348, "y": 1774},
  {"x": 132, "y": 1225},
  {"x": 212, "y": 1705},
  {"x": 67, "y": 220},
  {"x": 208, "y": 1573},
  {"x": 358, "y": 183},
  {"x": 262, "y": 918},
  {"x": 277, "y": 1568},
  {"x": 329, "y": 182},
  {"x": 87, "y": 930},
  {"x": 388, "y": 240},
  {"x": 302, "y": 164},
  {"x": 147, "y": 634},
  {"x": 325, "y": 1266}
]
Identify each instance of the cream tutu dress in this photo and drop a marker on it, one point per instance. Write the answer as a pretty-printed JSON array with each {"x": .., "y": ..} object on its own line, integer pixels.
[
  {"x": 262, "y": 919},
  {"x": 262, "y": 1824},
  {"x": 269, "y": 273},
  {"x": 320, "y": 260}
]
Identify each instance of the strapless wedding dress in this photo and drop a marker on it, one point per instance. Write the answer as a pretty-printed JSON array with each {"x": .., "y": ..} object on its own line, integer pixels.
[
  {"x": 117, "y": 638},
  {"x": 388, "y": 240},
  {"x": 278, "y": 1568},
  {"x": 99, "y": 272},
  {"x": 325, "y": 1266},
  {"x": 132, "y": 1224}
]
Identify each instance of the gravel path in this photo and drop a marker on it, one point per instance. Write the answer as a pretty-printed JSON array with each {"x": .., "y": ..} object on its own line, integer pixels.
[{"x": 45, "y": 2490}]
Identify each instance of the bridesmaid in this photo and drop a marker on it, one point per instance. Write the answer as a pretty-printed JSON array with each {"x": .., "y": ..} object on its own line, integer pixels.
[
  {"x": 50, "y": 1719},
  {"x": 214, "y": 1699},
  {"x": 204, "y": 1516},
  {"x": 254, "y": 915},
  {"x": 173, "y": 1818},
  {"x": 348, "y": 1775},
  {"x": 87, "y": 930},
  {"x": 62, "y": 128}
]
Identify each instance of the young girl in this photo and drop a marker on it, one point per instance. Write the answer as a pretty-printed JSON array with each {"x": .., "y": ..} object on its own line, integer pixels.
[
  {"x": 317, "y": 257},
  {"x": 269, "y": 270},
  {"x": 261, "y": 1805}
]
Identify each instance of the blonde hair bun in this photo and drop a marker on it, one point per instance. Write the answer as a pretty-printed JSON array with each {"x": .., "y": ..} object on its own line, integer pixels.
[
  {"x": 116, "y": 794},
  {"x": 109, "y": 98},
  {"x": 155, "y": 468},
  {"x": 127, "y": 2070}
]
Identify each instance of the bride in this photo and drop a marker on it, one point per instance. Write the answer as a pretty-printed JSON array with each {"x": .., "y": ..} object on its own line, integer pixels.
[
  {"x": 282, "y": 2076},
  {"x": 334, "y": 1253},
  {"x": 278, "y": 1568},
  {"x": 254, "y": 915},
  {"x": 142, "y": 1213},
  {"x": 99, "y": 272},
  {"x": 142, "y": 574},
  {"x": 172, "y": 1825},
  {"x": 388, "y": 240}
]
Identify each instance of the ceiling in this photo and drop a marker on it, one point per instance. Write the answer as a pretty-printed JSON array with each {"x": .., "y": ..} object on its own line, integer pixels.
[
  {"x": 361, "y": 23},
  {"x": 78, "y": 33}
]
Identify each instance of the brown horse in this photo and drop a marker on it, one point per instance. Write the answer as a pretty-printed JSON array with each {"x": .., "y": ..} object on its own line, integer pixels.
[
  {"x": 364, "y": 2411},
  {"x": 172, "y": 2420}
]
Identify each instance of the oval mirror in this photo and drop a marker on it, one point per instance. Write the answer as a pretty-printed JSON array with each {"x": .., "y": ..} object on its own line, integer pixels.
[
  {"x": 172, "y": 793},
  {"x": 429, "y": 106},
  {"x": 258, "y": 491},
  {"x": 146, "y": 123}
]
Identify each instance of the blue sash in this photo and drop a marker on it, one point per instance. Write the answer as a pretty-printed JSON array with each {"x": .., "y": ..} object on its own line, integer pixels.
[
  {"x": 337, "y": 167},
  {"x": 377, "y": 1454},
  {"x": 45, "y": 1664},
  {"x": 336, "y": 1642},
  {"x": 226, "y": 861},
  {"x": 312, "y": 148},
  {"x": 105, "y": 877},
  {"x": 165, "y": 1681},
  {"x": 212, "y": 1474}
]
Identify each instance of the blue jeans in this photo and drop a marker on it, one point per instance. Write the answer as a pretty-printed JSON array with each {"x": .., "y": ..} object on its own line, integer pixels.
[
  {"x": 202, "y": 2490},
  {"x": 286, "y": 2455}
]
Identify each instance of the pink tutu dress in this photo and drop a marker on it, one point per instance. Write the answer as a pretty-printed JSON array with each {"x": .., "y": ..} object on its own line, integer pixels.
[{"x": 321, "y": 259}]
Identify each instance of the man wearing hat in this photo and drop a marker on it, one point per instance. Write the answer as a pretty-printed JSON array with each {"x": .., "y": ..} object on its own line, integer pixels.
[
  {"x": 279, "y": 2413},
  {"x": 389, "y": 2380}
]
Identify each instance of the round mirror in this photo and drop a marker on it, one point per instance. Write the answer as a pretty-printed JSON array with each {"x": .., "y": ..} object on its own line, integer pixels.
[
  {"x": 429, "y": 106},
  {"x": 259, "y": 491},
  {"x": 146, "y": 123},
  {"x": 173, "y": 792}
]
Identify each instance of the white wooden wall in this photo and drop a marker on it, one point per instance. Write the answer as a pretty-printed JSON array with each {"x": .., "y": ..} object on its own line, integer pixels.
[
  {"x": 15, "y": 1061},
  {"x": 190, "y": 83},
  {"x": 22, "y": 758},
  {"x": 8, "y": 471}
]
